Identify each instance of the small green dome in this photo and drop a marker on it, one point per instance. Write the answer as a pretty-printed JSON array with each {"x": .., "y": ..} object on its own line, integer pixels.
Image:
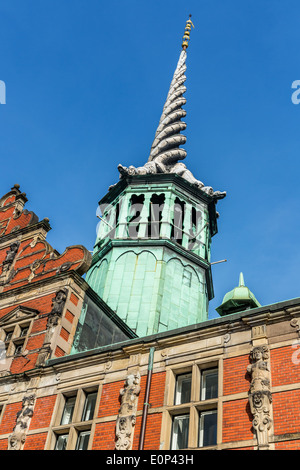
[{"x": 238, "y": 299}]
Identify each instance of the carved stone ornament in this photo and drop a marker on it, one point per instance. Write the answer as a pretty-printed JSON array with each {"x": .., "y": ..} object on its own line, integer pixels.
[
  {"x": 17, "y": 439},
  {"x": 58, "y": 303},
  {"x": 260, "y": 397},
  {"x": 127, "y": 412},
  {"x": 7, "y": 266},
  {"x": 226, "y": 338},
  {"x": 64, "y": 267},
  {"x": 10, "y": 256},
  {"x": 295, "y": 324}
]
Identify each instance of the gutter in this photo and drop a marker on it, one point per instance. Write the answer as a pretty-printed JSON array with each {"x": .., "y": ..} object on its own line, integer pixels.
[{"x": 146, "y": 399}]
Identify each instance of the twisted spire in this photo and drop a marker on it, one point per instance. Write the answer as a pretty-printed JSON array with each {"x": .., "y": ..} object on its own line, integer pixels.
[
  {"x": 165, "y": 154},
  {"x": 165, "y": 148}
]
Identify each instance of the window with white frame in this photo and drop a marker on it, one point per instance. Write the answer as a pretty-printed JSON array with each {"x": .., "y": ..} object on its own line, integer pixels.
[
  {"x": 183, "y": 389},
  {"x": 74, "y": 421},
  {"x": 194, "y": 410}
]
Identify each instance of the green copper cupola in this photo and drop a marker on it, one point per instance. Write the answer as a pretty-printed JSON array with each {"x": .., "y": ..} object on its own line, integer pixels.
[
  {"x": 238, "y": 299},
  {"x": 151, "y": 260}
]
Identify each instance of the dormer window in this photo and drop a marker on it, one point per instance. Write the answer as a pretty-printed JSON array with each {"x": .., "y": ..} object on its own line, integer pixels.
[
  {"x": 15, "y": 338},
  {"x": 8, "y": 336},
  {"x": 18, "y": 348},
  {"x": 24, "y": 331},
  {"x": 15, "y": 328}
]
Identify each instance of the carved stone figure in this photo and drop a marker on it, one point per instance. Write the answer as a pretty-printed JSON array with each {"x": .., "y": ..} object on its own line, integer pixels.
[
  {"x": 127, "y": 412},
  {"x": 10, "y": 256},
  {"x": 17, "y": 438},
  {"x": 8, "y": 272},
  {"x": 58, "y": 303},
  {"x": 260, "y": 396}
]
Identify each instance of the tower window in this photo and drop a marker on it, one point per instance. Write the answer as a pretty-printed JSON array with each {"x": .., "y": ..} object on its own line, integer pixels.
[
  {"x": 187, "y": 278},
  {"x": 155, "y": 215},
  {"x": 178, "y": 217},
  {"x": 134, "y": 216}
]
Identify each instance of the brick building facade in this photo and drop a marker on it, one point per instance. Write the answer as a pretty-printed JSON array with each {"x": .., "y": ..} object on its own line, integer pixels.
[
  {"x": 50, "y": 397},
  {"x": 126, "y": 359}
]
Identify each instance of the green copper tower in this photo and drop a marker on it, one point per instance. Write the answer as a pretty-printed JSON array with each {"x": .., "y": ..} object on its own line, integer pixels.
[{"x": 151, "y": 260}]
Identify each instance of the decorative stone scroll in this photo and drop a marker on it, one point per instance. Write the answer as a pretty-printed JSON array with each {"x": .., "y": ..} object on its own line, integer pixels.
[
  {"x": 295, "y": 323},
  {"x": 260, "y": 397},
  {"x": 17, "y": 439},
  {"x": 127, "y": 412}
]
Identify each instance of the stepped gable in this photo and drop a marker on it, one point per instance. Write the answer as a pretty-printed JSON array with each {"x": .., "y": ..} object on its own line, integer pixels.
[
  {"x": 25, "y": 255},
  {"x": 13, "y": 216}
]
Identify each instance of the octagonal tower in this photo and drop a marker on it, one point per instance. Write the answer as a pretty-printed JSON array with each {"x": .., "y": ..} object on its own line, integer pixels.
[{"x": 151, "y": 260}]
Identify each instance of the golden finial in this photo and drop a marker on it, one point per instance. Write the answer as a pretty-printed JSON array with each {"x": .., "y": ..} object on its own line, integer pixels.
[{"x": 186, "y": 36}]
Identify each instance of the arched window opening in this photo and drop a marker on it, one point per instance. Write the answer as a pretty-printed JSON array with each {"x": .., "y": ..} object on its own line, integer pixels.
[
  {"x": 155, "y": 215},
  {"x": 178, "y": 217},
  {"x": 134, "y": 215},
  {"x": 194, "y": 242}
]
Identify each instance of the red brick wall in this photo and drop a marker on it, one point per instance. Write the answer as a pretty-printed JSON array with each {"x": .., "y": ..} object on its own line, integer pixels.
[
  {"x": 236, "y": 379},
  {"x": 105, "y": 435},
  {"x": 42, "y": 304},
  {"x": 59, "y": 352},
  {"x": 69, "y": 316},
  {"x": 157, "y": 390},
  {"x": 285, "y": 368},
  {"x": 286, "y": 406},
  {"x": 110, "y": 399},
  {"x": 8, "y": 421},
  {"x": 287, "y": 445},
  {"x": 152, "y": 433},
  {"x": 35, "y": 441},
  {"x": 237, "y": 421},
  {"x": 3, "y": 444},
  {"x": 64, "y": 334},
  {"x": 21, "y": 364},
  {"x": 104, "y": 438},
  {"x": 35, "y": 342},
  {"x": 42, "y": 412},
  {"x": 74, "y": 299},
  {"x": 110, "y": 396}
]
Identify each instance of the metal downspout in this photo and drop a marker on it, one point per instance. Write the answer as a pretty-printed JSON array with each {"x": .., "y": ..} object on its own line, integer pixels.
[{"x": 146, "y": 400}]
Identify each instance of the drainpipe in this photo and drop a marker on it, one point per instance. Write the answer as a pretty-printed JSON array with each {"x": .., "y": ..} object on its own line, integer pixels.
[{"x": 146, "y": 400}]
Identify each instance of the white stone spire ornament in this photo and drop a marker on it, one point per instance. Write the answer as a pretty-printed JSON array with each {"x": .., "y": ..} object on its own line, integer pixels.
[
  {"x": 165, "y": 153},
  {"x": 165, "y": 148}
]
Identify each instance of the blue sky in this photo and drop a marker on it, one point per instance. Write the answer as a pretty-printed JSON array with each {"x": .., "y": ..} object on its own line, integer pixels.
[{"x": 85, "y": 84}]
